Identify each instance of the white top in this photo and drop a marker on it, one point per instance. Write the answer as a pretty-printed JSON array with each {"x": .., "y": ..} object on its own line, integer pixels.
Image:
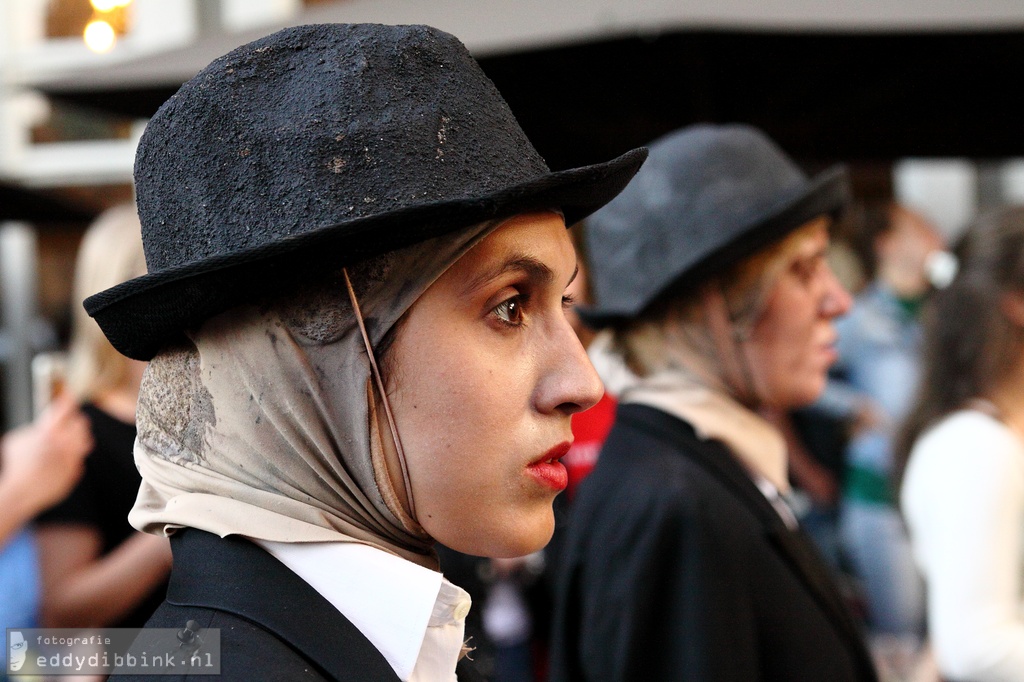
[
  {"x": 411, "y": 614},
  {"x": 963, "y": 498}
]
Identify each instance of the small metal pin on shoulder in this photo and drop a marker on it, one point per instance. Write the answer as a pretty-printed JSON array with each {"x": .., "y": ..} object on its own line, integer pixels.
[{"x": 190, "y": 634}]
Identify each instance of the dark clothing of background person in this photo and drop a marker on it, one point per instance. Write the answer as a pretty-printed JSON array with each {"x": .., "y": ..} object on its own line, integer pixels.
[
  {"x": 685, "y": 571},
  {"x": 105, "y": 495}
]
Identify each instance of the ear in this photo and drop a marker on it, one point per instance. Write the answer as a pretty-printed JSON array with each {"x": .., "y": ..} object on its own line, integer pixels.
[{"x": 1011, "y": 304}]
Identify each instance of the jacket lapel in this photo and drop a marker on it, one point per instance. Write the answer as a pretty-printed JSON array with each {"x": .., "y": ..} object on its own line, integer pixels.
[
  {"x": 234, "y": 575},
  {"x": 792, "y": 546}
]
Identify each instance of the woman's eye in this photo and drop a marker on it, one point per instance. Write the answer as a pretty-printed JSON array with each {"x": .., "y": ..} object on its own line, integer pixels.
[
  {"x": 807, "y": 269},
  {"x": 510, "y": 311}
]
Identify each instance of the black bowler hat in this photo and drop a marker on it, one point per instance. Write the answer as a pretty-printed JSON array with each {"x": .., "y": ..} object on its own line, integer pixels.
[
  {"x": 708, "y": 196},
  {"x": 321, "y": 146}
]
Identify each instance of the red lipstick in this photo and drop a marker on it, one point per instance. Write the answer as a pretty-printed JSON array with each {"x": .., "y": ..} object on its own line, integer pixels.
[{"x": 548, "y": 471}]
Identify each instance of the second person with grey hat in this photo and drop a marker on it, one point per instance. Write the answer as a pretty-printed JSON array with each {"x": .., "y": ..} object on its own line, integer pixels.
[{"x": 682, "y": 558}]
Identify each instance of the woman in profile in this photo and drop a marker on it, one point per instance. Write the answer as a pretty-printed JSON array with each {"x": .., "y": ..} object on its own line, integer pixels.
[
  {"x": 682, "y": 559},
  {"x": 355, "y": 311},
  {"x": 963, "y": 486}
]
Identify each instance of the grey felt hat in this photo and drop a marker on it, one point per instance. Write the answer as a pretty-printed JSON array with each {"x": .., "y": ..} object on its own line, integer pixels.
[
  {"x": 316, "y": 147},
  {"x": 708, "y": 196}
]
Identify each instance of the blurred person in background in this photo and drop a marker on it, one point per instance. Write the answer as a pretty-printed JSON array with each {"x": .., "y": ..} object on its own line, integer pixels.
[
  {"x": 97, "y": 570},
  {"x": 876, "y": 377},
  {"x": 683, "y": 560},
  {"x": 39, "y": 464},
  {"x": 817, "y": 440},
  {"x": 814, "y": 450},
  {"x": 963, "y": 487}
]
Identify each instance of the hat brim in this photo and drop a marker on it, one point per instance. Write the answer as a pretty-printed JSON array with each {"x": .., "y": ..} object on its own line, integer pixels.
[
  {"x": 825, "y": 194},
  {"x": 142, "y": 315}
]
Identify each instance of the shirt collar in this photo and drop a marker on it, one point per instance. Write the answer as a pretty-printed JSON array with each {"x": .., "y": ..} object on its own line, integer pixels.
[{"x": 390, "y": 600}]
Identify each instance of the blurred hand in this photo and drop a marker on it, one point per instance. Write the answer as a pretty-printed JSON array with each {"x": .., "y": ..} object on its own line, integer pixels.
[
  {"x": 818, "y": 482},
  {"x": 868, "y": 417},
  {"x": 805, "y": 471},
  {"x": 525, "y": 569},
  {"x": 504, "y": 568},
  {"x": 43, "y": 460}
]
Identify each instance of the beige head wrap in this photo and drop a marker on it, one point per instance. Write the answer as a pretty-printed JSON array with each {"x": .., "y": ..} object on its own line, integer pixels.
[{"x": 266, "y": 426}]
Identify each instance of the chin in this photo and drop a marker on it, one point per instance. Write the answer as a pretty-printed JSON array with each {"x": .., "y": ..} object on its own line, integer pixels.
[
  {"x": 512, "y": 550},
  {"x": 804, "y": 393},
  {"x": 513, "y": 540},
  {"x": 526, "y": 539}
]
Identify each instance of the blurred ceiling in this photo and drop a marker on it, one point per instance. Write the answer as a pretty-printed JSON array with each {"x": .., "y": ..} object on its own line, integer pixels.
[
  {"x": 855, "y": 96},
  {"x": 20, "y": 204},
  {"x": 822, "y": 96}
]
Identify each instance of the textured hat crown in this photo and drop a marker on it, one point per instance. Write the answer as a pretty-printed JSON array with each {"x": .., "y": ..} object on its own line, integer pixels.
[{"x": 318, "y": 125}]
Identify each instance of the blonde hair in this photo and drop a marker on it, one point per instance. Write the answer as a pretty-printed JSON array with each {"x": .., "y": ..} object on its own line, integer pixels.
[
  {"x": 110, "y": 253},
  {"x": 646, "y": 342}
]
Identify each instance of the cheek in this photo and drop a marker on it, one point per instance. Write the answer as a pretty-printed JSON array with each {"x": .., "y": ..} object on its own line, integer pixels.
[
  {"x": 458, "y": 399},
  {"x": 453, "y": 411},
  {"x": 431, "y": 407},
  {"x": 783, "y": 353},
  {"x": 463, "y": 420}
]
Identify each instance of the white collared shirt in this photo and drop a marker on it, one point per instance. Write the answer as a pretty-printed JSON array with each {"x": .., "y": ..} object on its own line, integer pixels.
[{"x": 411, "y": 614}]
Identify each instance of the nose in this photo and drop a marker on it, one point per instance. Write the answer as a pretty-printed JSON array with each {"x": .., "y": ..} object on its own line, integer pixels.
[
  {"x": 836, "y": 300},
  {"x": 569, "y": 383}
]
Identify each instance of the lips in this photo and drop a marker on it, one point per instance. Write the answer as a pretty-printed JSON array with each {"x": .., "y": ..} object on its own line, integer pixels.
[
  {"x": 828, "y": 347},
  {"x": 548, "y": 471},
  {"x": 831, "y": 354},
  {"x": 830, "y": 351}
]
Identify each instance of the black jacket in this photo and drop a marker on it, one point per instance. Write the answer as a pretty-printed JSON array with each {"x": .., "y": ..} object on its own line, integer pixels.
[
  {"x": 676, "y": 567},
  {"x": 273, "y": 625}
]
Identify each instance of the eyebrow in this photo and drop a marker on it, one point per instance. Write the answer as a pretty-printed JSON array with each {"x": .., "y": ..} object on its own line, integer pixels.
[
  {"x": 818, "y": 252},
  {"x": 813, "y": 255},
  {"x": 534, "y": 269}
]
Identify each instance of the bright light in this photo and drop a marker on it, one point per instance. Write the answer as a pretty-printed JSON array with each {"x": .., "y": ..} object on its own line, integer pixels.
[
  {"x": 105, "y": 5},
  {"x": 99, "y": 36}
]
